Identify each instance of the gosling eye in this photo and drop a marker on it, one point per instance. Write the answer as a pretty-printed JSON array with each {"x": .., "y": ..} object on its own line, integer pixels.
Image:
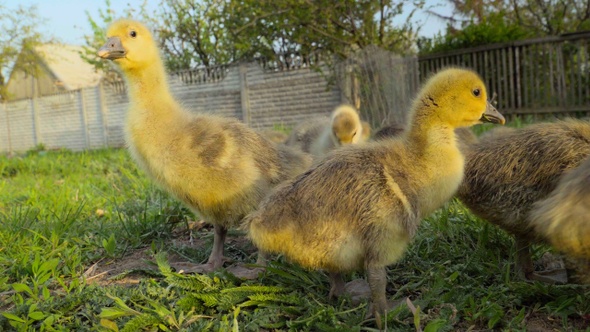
[
  {"x": 476, "y": 92},
  {"x": 354, "y": 134},
  {"x": 133, "y": 34}
]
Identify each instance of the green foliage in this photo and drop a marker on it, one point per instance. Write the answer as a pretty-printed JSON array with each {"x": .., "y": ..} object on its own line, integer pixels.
[
  {"x": 206, "y": 292},
  {"x": 39, "y": 148},
  {"x": 268, "y": 28},
  {"x": 549, "y": 18},
  {"x": 457, "y": 272},
  {"x": 192, "y": 33},
  {"x": 513, "y": 122},
  {"x": 497, "y": 21},
  {"x": 98, "y": 37},
  {"x": 204, "y": 33},
  {"x": 282, "y": 128},
  {"x": 492, "y": 29},
  {"x": 109, "y": 245},
  {"x": 176, "y": 306}
]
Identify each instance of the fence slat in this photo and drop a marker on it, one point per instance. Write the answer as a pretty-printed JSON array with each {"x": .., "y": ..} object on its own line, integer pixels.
[
  {"x": 538, "y": 74},
  {"x": 84, "y": 119},
  {"x": 36, "y": 128}
]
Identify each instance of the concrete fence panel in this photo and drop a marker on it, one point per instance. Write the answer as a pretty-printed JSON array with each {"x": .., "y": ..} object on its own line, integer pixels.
[{"x": 94, "y": 117}]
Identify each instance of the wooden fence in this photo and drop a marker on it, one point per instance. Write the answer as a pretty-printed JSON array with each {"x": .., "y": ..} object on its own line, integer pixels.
[{"x": 536, "y": 76}]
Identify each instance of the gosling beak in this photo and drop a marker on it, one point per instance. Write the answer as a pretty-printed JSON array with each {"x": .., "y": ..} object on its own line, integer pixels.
[
  {"x": 112, "y": 49},
  {"x": 492, "y": 115}
]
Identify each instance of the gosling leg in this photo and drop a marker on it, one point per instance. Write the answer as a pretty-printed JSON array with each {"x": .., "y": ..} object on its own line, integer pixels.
[
  {"x": 377, "y": 278},
  {"x": 249, "y": 273},
  {"x": 524, "y": 263},
  {"x": 262, "y": 259},
  {"x": 216, "y": 258},
  {"x": 526, "y": 270},
  {"x": 336, "y": 285}
]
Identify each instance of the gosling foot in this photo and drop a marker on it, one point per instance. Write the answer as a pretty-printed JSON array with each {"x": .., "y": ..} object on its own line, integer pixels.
[
  {"x": 555, "y": 276},
  {"x": 248, "y": 271},
  {"x": 377, "y": 278},
  {"x": 379, "y": 312},
  {"x": 553, "y": 271},
  {"x": 242, "y": 271},
  {"x": 208, "y": 267},
  {"x": 216, "y": 259},
  {"x": 358, "y": 290}
]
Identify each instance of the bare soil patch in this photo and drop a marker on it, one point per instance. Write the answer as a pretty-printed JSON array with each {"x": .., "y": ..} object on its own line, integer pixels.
[{"x": 139, "y": 263}]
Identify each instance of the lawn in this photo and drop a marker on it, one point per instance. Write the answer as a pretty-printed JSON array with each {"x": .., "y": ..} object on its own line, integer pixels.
[{"x": 88, "y": 243}]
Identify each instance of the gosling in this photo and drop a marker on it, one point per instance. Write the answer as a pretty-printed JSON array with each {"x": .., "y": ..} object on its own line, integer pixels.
[
  {"x": 217, "y": 166},
  {"x": 321, "y": 136},
  {"x": 360, "y": 206},
  {"x": 508, "y": 172},
  {"x": 563, "y": 218}
]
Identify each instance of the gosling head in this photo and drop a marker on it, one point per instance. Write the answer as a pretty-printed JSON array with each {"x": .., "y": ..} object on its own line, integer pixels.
[
  {"x": 130, "y": 44},
  {"x": 346, "y": 125},
  {"x": 458, "y": 98}
]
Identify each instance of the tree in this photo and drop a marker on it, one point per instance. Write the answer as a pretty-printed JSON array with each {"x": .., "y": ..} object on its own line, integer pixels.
[
  {"x": 195, "y": 33},
  {"x": 549, "y": 18},
  {"x": 19, "y": 37},
  {"x": 541, "y": 17},
  {"x": 493, "y": 28},
  {"x": 266, "y": 27},
  {"x": 202, "y": 33},
  {"x": 189, "y": 32},
  {"x": 192, "y": 34},
  {"x": 489, "y": 21}
]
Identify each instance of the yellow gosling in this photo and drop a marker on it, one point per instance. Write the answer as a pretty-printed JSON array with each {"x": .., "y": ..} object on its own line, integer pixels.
[
  {"x": 563, "y": 218},
  {"x": 360, "y": 207},
  {"x": 320, "y": 136},
  {"x": 217, "y": 166}
]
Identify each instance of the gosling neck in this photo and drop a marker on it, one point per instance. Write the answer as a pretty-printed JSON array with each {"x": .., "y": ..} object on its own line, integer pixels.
[
  {"x": 428, "y": 130},
  {"x": 148, "y": 87}
]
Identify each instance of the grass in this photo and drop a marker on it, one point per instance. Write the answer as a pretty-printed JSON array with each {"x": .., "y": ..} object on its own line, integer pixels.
[{"x": 62, "y": 214}]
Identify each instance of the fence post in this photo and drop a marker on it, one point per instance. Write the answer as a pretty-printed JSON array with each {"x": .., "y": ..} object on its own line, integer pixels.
[
  {"x": 350, "y": 93},
  {"x": 244, "y": 94},
  {"x": 84, "y": 118},
  {"x": 356, "y": 90},
  {"x": 7, "y": 128},
  {"x": 36, "y": 130},
  {"x": 345, "y": 94},
  {"x": 103, "y": 113}
]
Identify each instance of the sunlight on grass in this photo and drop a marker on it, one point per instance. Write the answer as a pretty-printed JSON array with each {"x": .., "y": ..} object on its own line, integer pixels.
[{"x": 62, "y": 212}]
